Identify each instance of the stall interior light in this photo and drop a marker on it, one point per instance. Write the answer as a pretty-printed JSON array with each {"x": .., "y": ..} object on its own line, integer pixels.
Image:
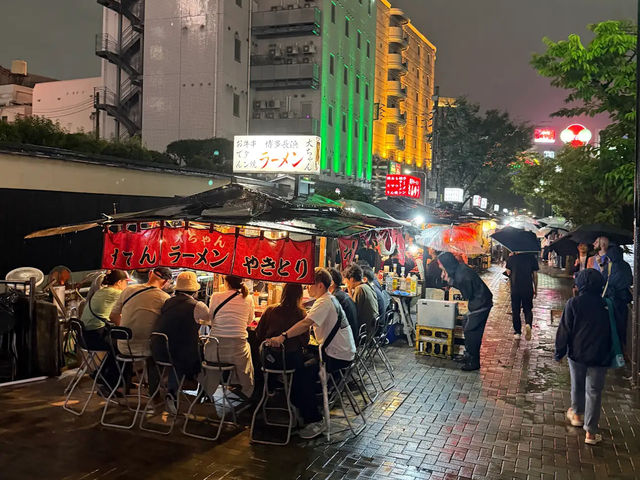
[
  {"x": 413, "y": 249},
  {"x": 418, "y": 220}
]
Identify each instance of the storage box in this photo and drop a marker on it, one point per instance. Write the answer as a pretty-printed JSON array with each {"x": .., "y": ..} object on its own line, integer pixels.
[
  {"x": 434, "y": 294},
  {"x": 434, "y": 342},
  {"x": 437, "y": 313}
]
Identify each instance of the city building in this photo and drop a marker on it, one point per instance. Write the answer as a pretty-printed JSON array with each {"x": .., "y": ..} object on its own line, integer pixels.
[
  {"x": 312, "y": 73},
  {"x": 70, "y": 103},
  {"x": 16, "y": 90},
  {"x": 175, "y": 70},
  {"x": 404, "y": 86}
]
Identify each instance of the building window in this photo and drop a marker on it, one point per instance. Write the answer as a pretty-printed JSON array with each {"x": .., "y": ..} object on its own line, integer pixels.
[
  {"x": 344, "y": 123},
  {"x": 236, "y": 48},
  {"x": 365, "y": 134},
  {"x": 331, "y": 62},
  {"x": 239, "y": 3},
  {"x": 369, "y": 6},
  {"x": 419, "y": 51},
  {"x": 357, "y": 84},
  {"x": 333, "y": 12},
  {"x": 366, "y": 92},
  {"x": 345, "y": 76},
  {"x": 346, "y": 26},
  {"x": 356, "y": 130},
  {"x": 330, "y": 116},
  {"x": 236, "y": 105},
  {"x": 368, "y": 49},
  {"x": 4, "y": 119},
  {"x": 358, "y": 39}
]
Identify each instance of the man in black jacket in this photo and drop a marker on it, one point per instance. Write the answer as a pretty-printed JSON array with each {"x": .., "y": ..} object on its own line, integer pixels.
[
  {"x": 345, "y": 301},
  {"x": 480, "y": 299}
]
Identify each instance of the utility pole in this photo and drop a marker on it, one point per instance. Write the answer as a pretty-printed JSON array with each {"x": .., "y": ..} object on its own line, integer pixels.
[{"x": 635, "y": 326}]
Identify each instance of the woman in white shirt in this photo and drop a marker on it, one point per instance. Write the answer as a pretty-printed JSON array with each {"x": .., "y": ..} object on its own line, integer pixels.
[{"x": 231, "y": 312}]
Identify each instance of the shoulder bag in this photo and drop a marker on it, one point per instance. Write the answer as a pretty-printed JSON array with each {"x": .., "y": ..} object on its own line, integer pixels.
[{"x": 617, "y": 358}]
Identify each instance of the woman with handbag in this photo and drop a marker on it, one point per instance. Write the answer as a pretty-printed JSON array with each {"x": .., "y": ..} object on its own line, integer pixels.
[
  {"x": 588, "y": 335},
  {"x": 231, "y": 313}
]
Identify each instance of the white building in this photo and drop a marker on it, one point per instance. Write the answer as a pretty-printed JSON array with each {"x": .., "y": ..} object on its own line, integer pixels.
[
  {"x": 175, "y": 69},
  {"x": 16, "y": 90},
  {"x": 68, "y": 102}
]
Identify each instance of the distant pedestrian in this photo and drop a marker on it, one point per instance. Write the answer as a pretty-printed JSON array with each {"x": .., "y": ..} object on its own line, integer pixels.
[
  {"x": 582, "y": 261},
  {"x": 600, "y": 260},
  {"x": 522, "y": 269},
  {"x": 473, "y": 289},
  {"x": 584, "y": 335},
  {"x": 618, "y": 281}
]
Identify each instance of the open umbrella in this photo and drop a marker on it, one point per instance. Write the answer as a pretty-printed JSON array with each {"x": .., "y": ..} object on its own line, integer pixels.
[
  {"x": 524, "y": 222},
  {"x": 517, "y": 240},
  {"x": 589, "y": 233},
  {"x": 453, "y": 238},
  {"x": 564, "y": 246}
]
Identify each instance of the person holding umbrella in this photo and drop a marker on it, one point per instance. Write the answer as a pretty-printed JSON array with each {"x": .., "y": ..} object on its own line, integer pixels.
[
  {"x": 600, "y": 260},
  {"x": 522, "y": 270},
  {"x": 480, "y": 299}
]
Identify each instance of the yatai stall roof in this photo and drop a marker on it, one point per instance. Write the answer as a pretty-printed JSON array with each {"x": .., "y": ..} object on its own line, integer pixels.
[{"x": 237, "y": 204}]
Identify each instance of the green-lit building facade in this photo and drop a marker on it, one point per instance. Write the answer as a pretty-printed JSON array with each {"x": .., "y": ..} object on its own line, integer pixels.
[{"x": 312, "y": 72}]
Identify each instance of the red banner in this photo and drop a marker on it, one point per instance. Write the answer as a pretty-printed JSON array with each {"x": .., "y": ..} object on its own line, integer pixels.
[
  {"x": 197, "y": 249},
  {"x": 348, "y": 247},
  {"x": 282, "y": 260},
  {"x": 126, "y": 250},
  {"x": 403, "y": 186},
  {"x": 274, "y": 260}
]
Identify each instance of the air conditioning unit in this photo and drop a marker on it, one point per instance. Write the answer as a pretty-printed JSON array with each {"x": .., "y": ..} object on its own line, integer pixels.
[
  {"x": 269, "y": 115},
  {"x": 275, "y": 8},
  {"x": 284, "y": 114},
  {"x": 305, "y": 60},
  {"x": 295, "y": 50},
  {"x": 289, "y": 61},
  {"x": 307, "y": 5},
  {"x": 305, "y": 48},
  {"x": 276, "y": 103},
  {"x": 257, "y": 115},
  {"x": 290, "y": 49},
  {"x": 291, "y": 6},
  {"x": 271, "y": 103},
  {"x": 257, "y": 104},
  {"x": 272, "y": 52}
]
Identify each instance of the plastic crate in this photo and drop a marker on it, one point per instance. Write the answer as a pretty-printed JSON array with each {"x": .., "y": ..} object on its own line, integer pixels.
[{"x": 434, "y": 342}]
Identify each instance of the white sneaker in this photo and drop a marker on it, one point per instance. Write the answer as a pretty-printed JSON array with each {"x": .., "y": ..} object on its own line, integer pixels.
[
  {"x": 312, "y": 430},
  {"x": 597, "y": 438},
  {"x": 517, "y": 336},
  {"x": 527, "y": 332}
]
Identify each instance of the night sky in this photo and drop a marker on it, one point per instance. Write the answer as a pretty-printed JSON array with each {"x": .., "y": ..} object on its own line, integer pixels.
[{"x": 484, "y": 46}]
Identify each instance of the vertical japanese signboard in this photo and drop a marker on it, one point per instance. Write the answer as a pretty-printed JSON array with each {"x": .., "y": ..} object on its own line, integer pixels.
[
  {"x": 348, "y": 247},
  {"x": 276, "y": 154},
  {"x": 403, "y": 186}
]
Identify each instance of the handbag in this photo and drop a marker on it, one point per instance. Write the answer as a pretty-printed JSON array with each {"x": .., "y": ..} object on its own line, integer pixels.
[{"x": 617, "y": 358}]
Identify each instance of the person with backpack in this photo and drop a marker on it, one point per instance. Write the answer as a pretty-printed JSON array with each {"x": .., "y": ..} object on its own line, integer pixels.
[
  {"x": 586, "y": 336},
  {"x": 333, "y": 333}
]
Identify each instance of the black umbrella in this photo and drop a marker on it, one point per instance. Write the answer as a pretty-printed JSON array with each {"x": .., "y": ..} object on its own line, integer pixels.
[
  {"x": 589, "y": 233},
  {"x": 564, "y": 246},
  {"x": 517, "y": 240}
]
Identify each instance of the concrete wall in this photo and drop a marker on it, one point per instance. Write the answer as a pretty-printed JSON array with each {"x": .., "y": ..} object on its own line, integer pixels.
[
  {"x": 36, "y": 173},
  {"x": 68, "y": 102},
  {"x": 190, "y": 74},
  {"x": 15, "y": 101}
]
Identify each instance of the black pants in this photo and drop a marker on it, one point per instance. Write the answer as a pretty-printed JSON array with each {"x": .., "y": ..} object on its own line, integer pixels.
[
  {"x": 304, "y": 395},
  {"x": 473, "y": 331},
  {"x": 99, "y": 340},
  {"x": 524, "y": 301}
]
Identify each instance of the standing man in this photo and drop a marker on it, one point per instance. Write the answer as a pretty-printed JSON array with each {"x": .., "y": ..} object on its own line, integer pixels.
[
  {"x": 522, "y": 269},
  {"x": 600, "y": 260},
  {"x": 480, "y": 299}
]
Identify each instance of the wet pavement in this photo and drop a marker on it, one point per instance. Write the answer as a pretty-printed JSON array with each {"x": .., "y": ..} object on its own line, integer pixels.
[{"x": 504, "y": 422}]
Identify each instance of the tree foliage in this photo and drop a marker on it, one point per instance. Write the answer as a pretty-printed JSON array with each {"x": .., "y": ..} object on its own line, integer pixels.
[
  {"x": 597, "y": 182},
  {"x": 476, "y": 149},
  {"x": 214, "y": 154}
]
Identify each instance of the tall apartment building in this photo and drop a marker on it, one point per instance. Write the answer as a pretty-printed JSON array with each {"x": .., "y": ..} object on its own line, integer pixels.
[
  {"x": 403, "y": 94},
  {"x": 313, "y": 73},
  {"x": 175, "y": 69}
]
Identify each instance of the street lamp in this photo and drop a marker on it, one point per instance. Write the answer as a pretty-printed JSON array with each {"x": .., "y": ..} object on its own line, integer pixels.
[{"x": 424, "y": 184}]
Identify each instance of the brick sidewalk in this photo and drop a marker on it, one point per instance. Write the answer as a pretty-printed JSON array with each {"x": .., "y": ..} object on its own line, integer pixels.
[{"x": 507, "y": 421}]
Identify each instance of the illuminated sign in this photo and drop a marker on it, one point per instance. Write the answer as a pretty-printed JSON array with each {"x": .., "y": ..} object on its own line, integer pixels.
[
  {"x": 276, "y": 154},
  {"x": 395, "y": 168},
  {"x": 483, "y": 203},
  {"x": 477, "y": 201},
  {"x": 454, "y": 195},
  {"x": 496, "y": 208},
  {"x": 576, "y": 135},
  {"x": 549, "y": 154},
  {"x": 403, "y": 186},
  {"x": 544, "y": 135}
]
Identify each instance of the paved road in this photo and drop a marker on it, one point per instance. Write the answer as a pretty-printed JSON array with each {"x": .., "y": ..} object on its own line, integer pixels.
[{"x": 507, "y": 421}]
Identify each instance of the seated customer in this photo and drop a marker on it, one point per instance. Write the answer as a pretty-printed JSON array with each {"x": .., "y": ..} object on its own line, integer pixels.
[
  {"x": 331, "y": 329},
  {"x": 230, "y": 313},
  {"x": 364, "y": 297},
  {"x": 370, "y": 279},
  {"x": 178, "y": 321},
  {"x": 345, "y": 301},
  {"x": 138, "y": 309}
]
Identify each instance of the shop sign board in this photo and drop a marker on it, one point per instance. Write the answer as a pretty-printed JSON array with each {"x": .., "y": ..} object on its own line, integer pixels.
[
  {"x": 476, "y": 201},
  {"x": 483, "y": 203},
  {"x": 259, "y": 258},
  {"x": 292, "y": 154},
  {"x": 544, "y": 135},
  {"x": 403, "y": 186},
  {"x": 454, "y": 195}
]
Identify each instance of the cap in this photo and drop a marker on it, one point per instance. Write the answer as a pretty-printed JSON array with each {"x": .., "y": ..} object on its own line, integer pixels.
[
  {"x": 163, "y": 273},
  {"x": 187, "y": 282}
]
